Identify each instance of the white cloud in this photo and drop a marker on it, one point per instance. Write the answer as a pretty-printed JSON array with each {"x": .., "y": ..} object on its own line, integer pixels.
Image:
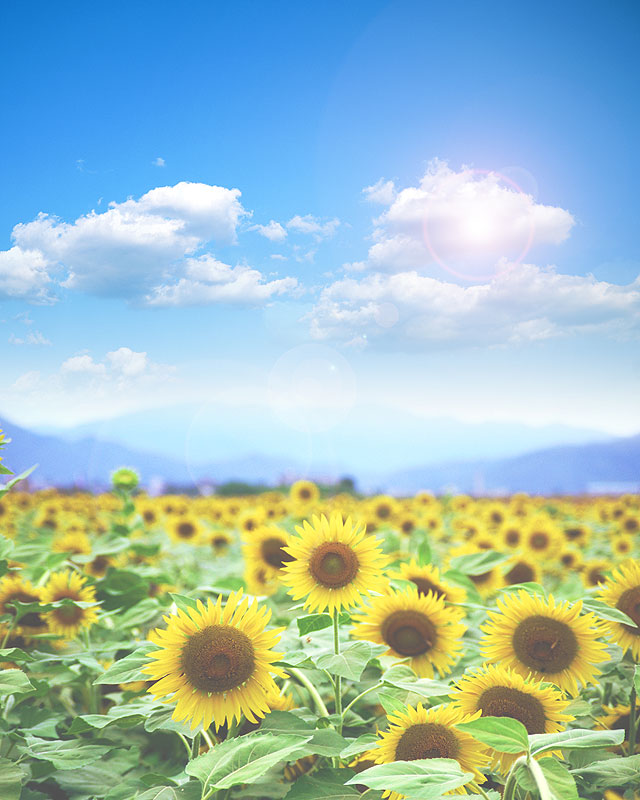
[
  {"x": 24, "y": 274},
  {"x": 32, "y": 337},
  {"x": 273, "y": 231},
  {"x": 158, "y": 162},
  {"x": 308, "y": 224},
  {"x": 83, "y": 363},
  {"x": 466, "y": 221},
  {"x": 27, "y": 382},
  {"x": 208, "y": 280},
  {"x": 524, "y": 303},
  {"x": 382, "y": 192},
  {"x": 125, "y": 250},
  {"x": 127, "y": 361}
]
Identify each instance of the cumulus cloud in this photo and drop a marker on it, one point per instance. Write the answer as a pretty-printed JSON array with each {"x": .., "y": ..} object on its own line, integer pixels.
[
  {"x": 83, "y": 363},
  {"x": 33, "y": 337},
  {"x": 273, "y": 231},
  {"x": 308, "y": 224},
  {"x": 208, "y": 280},
  {"x": 382, "y": 192},
  {"x": 126, "y": 249},
  {"x": 158, "y": 162},
  {"x": 467, "y": 221},
  {"x": 522, "y": 304},
  {"x": 24, "y": 274}
]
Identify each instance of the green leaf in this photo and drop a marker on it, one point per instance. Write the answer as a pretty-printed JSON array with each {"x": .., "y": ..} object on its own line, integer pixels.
[
  {"x": 636, "y": 679},
  {"x": 64, "y": 754},
  {"x": 352, "y": 661},
  {"x": 612, "y": 772},
  {"x": 317, "y": 622},
  {"x": 285, "y": 722},
  {"x": 403, "y": 677},
  {"x": 424, "y": 552},
  {"x": 191, "y": 791},
  {"x": 11, "y": 777},
  {"x": 327, "y": 784},
  {"x": 10, "y": 484},
  {"x": 604, "y": 611},
  {"x": 359, "y": 745},
  {"x": 423, "y": 779},
  {"x": 573, "y": 740},
  {"x": 244, "y": 760},
  {"x": 560, "y": 781},
  {"x": 504, "y": 734},
  {"x": 14, "y": 681},
  {"x": 184, "y": 602},
  {"x": 326, "y": 742},
  {"x": 139, "y": 613},
  {"x": 391, "y": 704},
  {"x": 128, "y": 668},
  {"x": 6, "y": 546},
  {"x": 478, "y": 563}
]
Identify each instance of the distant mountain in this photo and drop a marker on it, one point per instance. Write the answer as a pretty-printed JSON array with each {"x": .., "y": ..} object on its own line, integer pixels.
[{"x": 554, "y": 470}]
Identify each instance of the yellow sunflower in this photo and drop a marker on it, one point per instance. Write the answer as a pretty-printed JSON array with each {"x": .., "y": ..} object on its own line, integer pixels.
[
  {"x": 220, "y": 541},
  {"x": 622, "y": 591},
  {"x": 216, "y": 662},
  {"x": 431, "y": 733},
  {"x": 549, "y": 640},
  {"x": 427, "y": 579},
  {"x": 304, "y": 493},
  {"x": 595, "y": 571},
  {"x": 67, "y": 621},
  {"x": 542, "y": 539},
  {"x": 185, "y": 529},
  {"x": 522, "y": 570},
  {"x": 623, "y": 545},
  {"x": 74, "y": 542},
  {"x": 498, "y": 692},
  {"x": 571, "y": 559},
  {"x": 334, "y": 563},
  {"x": 415, "y": 627},
  {"x": 14, "y": 587},
  {"x": 266, "y": 546}
]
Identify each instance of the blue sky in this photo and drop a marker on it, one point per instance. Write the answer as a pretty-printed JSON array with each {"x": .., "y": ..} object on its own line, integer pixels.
[{"x": 301, "y": 107}]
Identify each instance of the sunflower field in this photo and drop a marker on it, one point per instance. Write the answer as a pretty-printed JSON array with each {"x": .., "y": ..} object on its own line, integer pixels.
[{"x": 299, "y": 645}]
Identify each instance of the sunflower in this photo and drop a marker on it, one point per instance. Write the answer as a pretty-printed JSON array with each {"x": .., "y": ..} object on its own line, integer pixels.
[
  {"x": 334, "y": 563},
  {"x": 384, "y": 509},
  {"x": 542, "y": 540},
  {"x": 406, "y": 523},
  {"x": 623, "y": 545},
  {"x": 14, "y": 588},
  {"x": 99, "y": 566},
  {"x": 250, "y": 519},
  {"x": 220, "y": 541},
  {"x": 185, "y": 529},
  {"x": 215, "y": 662},
  {"x": 571, "y": 559},
  {"x": 498, "y": 692},
  {"x": 616, "y": 717},
  {"x": 577, "y": 534},
  {"x": 522, "y": 570},
  {"x": 430, "y": 733},
  {"x": 427, "y": 579},
  {"x": 548, "y": 640},
  {"x": 75, "y": 542},
  {"x": 261, "y": 580},
  {"x": 595, "y": 571},
  {"x": 304, "y": 493},
  {"x": 511, "y": 534},
  {"x": 68, "y": 620},
  {"x": 415, "y": 627},
  {"x": 266, "y": 546},
  {"x": 622, "y": 591}
]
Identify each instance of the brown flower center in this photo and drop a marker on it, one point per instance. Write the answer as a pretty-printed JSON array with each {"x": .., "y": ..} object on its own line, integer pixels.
[
  {"x": 68, "y": 615},
  {"x": 383, "y": 511},
  {"x": 304, "y": 494},
  {"x": 631, "y": 524},
  {"x": 427, "y": 740},
  {"x": 186, "y": 530},
  {"x": 512, "y": 537},
  {"x": 520, "y": 573},
  {"x": 273, "y": 552},
  {"x": 503, "y": 701},
  {"x": 409, "y": 633},
  {"x": 100, "y": 564},
  {"x": 539, "y": 540},
  {"x": 629, "y": 602},
  {"x": 425, "y": 586},
  {"x": 545, "y": 644},
  {"x": 333, "y": 565},
  {"x": 218, "y": 658},
  {"x": 573, "y": 533}
]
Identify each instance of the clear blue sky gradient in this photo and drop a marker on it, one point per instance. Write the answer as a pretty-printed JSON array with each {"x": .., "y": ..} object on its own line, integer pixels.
[{"x": 300, "y": 106}]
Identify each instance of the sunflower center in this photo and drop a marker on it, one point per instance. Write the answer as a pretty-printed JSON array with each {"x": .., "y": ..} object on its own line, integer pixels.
[
  {"x": 425, "y": 586},
  {"x": 427, "y": 740},
  {"x": 539, "y": 540},
  {"x": 100, "y": 564},
  {"x": 409, "y": 633},
  {"x": 273, "y": 552},
  {"x": 304, "y": 494},
  {"x": 218, "y": 658},
  {"x": 333, "y": 565},
  {"x": 383, "y": 512},
  {"x": 512, "y": 537},
  {"x": 520, "y": 573},
  {"x": 503, "y": 701},
  {"x": 186, "y": 530},
  {"x": 68, "y": 615},
  {"x": 484, "y": 577},
  {"x": 573, "y": 533},
  {"x": 545, "y": 644},
  {"x": 629, "y": 602}
]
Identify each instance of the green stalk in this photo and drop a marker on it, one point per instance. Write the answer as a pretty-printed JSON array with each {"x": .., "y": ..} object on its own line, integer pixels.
[
  {"x": 338, "y": 678},
  {"x": 512, "y": 781},
  {"x": 195, "y": 746},
  {"x": 633, "y": 727},
  {"x": 360, "y": 696},
  {"x": 302, "y": 678},
  {"x": 538, "y": 775}
]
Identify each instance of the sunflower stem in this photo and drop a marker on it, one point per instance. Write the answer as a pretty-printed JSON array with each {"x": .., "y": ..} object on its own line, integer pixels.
[
  {"x": 538, "y": 776},
  {"x": 360, "y": 696},
  {"x": 186, "y": 744},
  {"x": 633, "y": 728},
  {"x": 302, "y": 678},
  {"x": 479, "y": 790},
  {"x": 337, "y": 678},
  {"x": 512, "y": 781},
  {"x": 195, "y": 746}
]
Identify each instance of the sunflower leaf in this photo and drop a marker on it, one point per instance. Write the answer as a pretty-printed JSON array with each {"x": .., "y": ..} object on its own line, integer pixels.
[
  {"x": 64, "y": 754},
  {"x": 478, "y": 563},
  {"x": 14, "y": 681},
  {"x": 612, "y": 772},
  {"x": 359, "y": 745},
  {"x": 11, "y": 777},
  {"x": 604, "y": 611},
  {"x": 317, "y": 622},
  {"x": 245, "y": 759},
  {"x": 128, "y": 668},
  {"x": 636, "y": 678},
  {"x": 328, "y": 784},
  {"x": 560, "y": 782},
  {"x": 423, "y": 779},
  {"x": 576, "y": 739},
  {"x": 403, "y": 677},
  {"x": 504, "y": 734},
  {"x": 352, "y": 661}
]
